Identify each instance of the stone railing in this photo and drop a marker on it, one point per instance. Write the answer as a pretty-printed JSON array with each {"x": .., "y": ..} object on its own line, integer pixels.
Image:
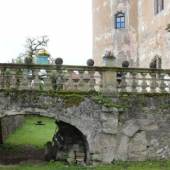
[{"x": 83, "y": 78}]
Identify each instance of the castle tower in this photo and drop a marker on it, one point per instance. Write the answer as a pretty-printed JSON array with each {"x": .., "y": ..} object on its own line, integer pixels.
[
  {"x": 115, "y": 28},
  {"x": 154, "y": 39},
  {"x": 134, "y": 30}
]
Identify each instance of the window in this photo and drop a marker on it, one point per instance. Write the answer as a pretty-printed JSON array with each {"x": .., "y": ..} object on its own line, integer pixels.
[
  {"x": 156, "y": 62},
  {"x": 158, "y": 6},
  {"x": 120, "y": 20}
]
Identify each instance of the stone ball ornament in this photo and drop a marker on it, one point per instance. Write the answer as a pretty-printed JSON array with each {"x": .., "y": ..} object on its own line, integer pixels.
[
  {"x": 90, "y": 62},
  {"x": 58, "y": 61},
  {"x": 125, "y": 64}
]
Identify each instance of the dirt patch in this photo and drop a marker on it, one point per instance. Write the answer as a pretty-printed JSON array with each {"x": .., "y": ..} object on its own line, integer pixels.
[{"x": 20, "y": 155}]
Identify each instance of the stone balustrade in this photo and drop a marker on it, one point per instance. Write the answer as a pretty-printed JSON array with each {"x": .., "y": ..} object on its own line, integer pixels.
[{"x": 83, "y": 78}]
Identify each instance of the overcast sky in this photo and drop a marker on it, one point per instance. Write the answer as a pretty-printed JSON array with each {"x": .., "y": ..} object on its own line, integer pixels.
[{"x": 67, "y": 23}]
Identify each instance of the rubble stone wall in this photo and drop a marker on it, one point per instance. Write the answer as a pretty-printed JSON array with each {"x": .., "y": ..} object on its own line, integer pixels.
[
  {"x": 119, "y": 127},
  {"x": 9, "y": 124}
]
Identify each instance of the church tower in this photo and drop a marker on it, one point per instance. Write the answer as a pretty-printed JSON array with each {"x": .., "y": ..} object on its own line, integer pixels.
[{"x": 115, "y": 27}]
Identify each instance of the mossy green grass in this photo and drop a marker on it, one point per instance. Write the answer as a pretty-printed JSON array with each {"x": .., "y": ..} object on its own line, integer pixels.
[{"x": 30, "y": 133}]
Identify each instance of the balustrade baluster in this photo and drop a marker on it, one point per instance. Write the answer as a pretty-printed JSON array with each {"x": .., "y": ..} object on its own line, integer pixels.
[
  {"x": 168, "y": 82},
  {"x": 134, "y": 82},
  {"x": 66, "y": 80},
  {"x": 53, "y": 77},
  {"x": 86, "y": 79},
  {"x": 162, "y": 83},
  {"x": 8, "y": 77},
  {"x": 13, "y": 79},
  {"x": 24, "y": 79},
  {"x": 76, "y": 79},
  {"x": 70, "y": 84},
  {"x": 50, "y": 79},
  {"x": 47, "y": 80},
  {"x": 35, "y": 81},
  {"x": 81, "y": 82},
  {"x": 123, "y": 83},
  {"x": 99, "y": 81},
  {"x": 20, "y": 75},
  {"x": 59, "y": 79},
  {"x": 1, "y": 79},
  {"x": 92, "y": 81},
  {"x": 144, "y": 84},
  {"x": 153, "y": 83}
]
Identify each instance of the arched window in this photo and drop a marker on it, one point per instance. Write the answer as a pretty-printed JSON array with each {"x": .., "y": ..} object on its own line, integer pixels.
[
  {"x": 120, "y": 20},
  {"x": 158, "y": 6},
  {"x": 156, "y": 62}
]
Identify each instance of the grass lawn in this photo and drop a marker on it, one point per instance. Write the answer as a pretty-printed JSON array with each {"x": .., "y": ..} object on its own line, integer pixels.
[
  {"x": 156, "y": 165},
  {"x": 32, "y": 134}
]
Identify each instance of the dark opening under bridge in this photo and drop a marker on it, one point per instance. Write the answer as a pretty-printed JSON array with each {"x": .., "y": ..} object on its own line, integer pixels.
[{"x": 121, "y": 113}]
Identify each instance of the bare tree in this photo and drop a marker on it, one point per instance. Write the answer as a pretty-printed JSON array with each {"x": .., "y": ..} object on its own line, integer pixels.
[{"x": 33, "y": 45}]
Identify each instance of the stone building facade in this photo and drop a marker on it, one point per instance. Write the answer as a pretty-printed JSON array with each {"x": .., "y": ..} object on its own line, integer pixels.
[{"x": 134, "y": 30}]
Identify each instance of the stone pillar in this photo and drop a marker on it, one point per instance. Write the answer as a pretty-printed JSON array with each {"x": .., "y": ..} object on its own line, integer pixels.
[{"x": 109, "y": 76}]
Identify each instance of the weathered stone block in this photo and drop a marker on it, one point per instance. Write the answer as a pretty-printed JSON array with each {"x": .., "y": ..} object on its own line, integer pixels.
[
  {"x": 137, "y": 149},
  {"x": 96, "y": 157},
  {"x": 107, "y": 109},
  {"x": 122, "y": 152},
  {"x": 10, "y": 124},
  {"x": 130, "y": 128},
  {"x": 105, "y": 145},
  {"x": 110, "y": 126},
  {"x": 148, "y": 124}
]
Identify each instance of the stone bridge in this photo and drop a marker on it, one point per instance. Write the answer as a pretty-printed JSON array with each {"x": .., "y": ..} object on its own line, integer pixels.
[{"x": 114, "y": 120}]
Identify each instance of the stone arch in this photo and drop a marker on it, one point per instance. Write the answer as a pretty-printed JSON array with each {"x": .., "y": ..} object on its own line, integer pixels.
[
  {"x": 120, "y": 20},
  {"x": 76, "y": 141},
  {"x": 156, "y": 62},
  {"x": 65, "y": 126}
]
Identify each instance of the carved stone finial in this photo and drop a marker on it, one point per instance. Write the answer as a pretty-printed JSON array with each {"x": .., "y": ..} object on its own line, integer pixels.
[
  {"x": 59, "y": 61},
  {"x": 125, "y": 63},
  {"x": 90, "y": 62}
]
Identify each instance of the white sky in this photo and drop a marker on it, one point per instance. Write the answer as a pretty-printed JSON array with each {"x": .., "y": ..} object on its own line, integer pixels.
[{"x": 67, "y": 23}]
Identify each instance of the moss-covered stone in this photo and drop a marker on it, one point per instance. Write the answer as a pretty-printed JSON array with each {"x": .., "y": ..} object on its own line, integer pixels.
[{"x": 107, "y": 101}]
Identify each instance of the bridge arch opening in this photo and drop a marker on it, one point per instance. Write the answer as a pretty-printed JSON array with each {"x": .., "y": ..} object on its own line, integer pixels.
[
  {"x": 75, "y": 147},
  {"x": 75, "y": 143}
]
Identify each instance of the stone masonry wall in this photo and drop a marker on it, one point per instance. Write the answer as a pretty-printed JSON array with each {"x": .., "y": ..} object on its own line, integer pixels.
[
  {"x": 122, "y": 42},
  {"x": 9, "y": 124},
  {"x": 153, "y": 38},
  {"x": 143, "y": 38},
  {"x": 102, "y": 29},
  {"x": 125, "y": 39},
  {"x": 144, "y": 128},
  {"x": 121, "y": 127}
]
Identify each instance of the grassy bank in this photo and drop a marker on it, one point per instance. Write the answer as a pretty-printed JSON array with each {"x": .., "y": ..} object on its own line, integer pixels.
[
  {"x": 157, "y": 165},
  {"x": 32, "y": 134}
]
